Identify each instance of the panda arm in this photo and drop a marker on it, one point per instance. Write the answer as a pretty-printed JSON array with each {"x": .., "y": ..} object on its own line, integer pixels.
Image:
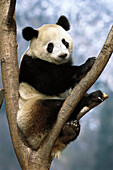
[{"x": 50, "y": 78}]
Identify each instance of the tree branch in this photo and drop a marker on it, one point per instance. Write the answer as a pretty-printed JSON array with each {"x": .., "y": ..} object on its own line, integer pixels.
[{"x": 9, "y": 65}]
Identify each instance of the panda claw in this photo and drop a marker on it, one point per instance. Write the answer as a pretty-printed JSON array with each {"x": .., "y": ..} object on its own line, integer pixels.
[
  {"x": 74, "y": 124},
  {"x": 100, "y": 99}
]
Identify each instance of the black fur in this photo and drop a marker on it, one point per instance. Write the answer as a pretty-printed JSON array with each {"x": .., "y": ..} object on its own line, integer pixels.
[
  {"x": 65, "y": 43},
  {"x": 49, "y": 78},
  {"x": 50, "y": 47},
  {"x": 70, "y": 131},
  {"x": 28, "y": 33},
  {"x": 63, "y": 22}
]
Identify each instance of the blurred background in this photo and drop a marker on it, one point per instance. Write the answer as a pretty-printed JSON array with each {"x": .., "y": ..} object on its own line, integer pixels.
[{"x": 90, "y": 23}]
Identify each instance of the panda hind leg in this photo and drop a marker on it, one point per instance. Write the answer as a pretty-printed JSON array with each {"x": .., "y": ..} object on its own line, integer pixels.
[
  {"x": 44, "y": 114},
  {"x": 69, "y": 133},
  {"x": 87, "y": 100},
  {"x": 71, "y": 129}
]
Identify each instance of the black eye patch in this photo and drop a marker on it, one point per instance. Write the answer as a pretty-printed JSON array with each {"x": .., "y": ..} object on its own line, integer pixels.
[
  {"x": 65, "y": 43},
  {"x": 50, "y": 47}
]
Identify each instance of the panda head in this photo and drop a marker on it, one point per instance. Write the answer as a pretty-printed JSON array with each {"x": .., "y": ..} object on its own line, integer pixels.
[{"x": 50, "y": 42}]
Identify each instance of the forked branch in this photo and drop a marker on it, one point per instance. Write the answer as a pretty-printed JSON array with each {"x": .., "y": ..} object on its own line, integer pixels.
[{"x": 8, "y": 51}]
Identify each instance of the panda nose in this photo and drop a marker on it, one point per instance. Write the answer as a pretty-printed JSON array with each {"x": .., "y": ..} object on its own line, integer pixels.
[{"x": 63, "y": 56}]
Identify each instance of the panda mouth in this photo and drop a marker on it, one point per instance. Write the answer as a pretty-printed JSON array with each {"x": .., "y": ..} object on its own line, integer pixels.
[{"x": 61, "y": 60}]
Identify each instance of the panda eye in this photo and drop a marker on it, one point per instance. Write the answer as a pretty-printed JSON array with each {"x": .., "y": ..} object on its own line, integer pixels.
[
  {"x": 65, "y": 43},
  {"x": 50, "y": 47}
]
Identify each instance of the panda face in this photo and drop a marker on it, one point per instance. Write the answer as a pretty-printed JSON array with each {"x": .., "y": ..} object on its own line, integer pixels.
[{"x": 53, "y": 44}]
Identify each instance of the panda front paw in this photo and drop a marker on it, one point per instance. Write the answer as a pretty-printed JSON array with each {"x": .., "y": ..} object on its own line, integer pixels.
[
  {"x": 70, "y": 131},
  {"x": 88, "y": 64}
]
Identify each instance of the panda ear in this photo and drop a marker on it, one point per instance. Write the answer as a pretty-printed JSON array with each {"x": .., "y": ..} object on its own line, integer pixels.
[
  {"x": 63, "y": 22},
  {"x": 28, "y": 33}
]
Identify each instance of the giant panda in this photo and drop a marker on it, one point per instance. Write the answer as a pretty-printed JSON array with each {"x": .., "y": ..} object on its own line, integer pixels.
[{"x": 46, "y": 76}]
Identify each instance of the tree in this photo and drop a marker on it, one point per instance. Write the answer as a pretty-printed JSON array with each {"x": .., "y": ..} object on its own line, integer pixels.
[{"x": 28, "y": 158}]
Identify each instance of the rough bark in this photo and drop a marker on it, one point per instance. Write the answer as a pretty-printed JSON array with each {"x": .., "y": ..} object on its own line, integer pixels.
[
  {"x": 9, "y": 64},
  {"x": 8, "y": 51}
]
